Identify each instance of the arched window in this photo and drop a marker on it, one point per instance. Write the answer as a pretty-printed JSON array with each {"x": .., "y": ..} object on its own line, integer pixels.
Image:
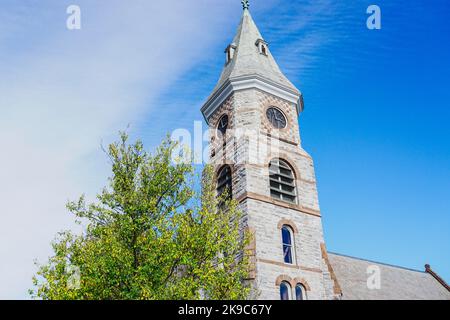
[
  {"x": 285, "y": 291},
  {"x": 224, "y": 182},
  {"x": 300, "y": 292},
  {"x": 282, "y": 182},
  {"x": 288, "y": 247},
  {"x": 222, "y": 126}
]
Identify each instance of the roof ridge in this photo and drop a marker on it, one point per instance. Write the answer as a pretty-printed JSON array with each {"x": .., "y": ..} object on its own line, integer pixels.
[
  {"x": 436, "y": 276},
  {"x": 377, "y": 262}
]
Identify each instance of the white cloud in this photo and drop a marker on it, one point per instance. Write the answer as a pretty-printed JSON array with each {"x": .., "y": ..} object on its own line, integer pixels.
[{"x": 62, "y": 92}]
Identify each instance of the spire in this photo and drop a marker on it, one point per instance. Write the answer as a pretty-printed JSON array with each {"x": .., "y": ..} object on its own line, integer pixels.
[
  {"x": 250, "y": 64},
  {"x": 251, "y": 56}
]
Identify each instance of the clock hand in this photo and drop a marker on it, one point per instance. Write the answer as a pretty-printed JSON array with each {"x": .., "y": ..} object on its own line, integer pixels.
[{"x": 274, "y": 115}]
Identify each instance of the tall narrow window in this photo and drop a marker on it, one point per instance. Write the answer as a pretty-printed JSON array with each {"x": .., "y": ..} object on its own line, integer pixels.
[
  {"x": 285, "y": 291},
  {"x": 282, "y": 183},
  {"x": 224, "y": 182},
  {"x": 286, "y": 235},
  {"x": 299, "y": 292}
]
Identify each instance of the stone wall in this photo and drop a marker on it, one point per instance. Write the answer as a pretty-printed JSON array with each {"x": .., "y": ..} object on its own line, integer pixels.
[{"x": 249, "y": 154}]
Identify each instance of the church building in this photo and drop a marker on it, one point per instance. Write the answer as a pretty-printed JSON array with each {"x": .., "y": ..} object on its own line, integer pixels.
[{"x": 257, "y": 152}]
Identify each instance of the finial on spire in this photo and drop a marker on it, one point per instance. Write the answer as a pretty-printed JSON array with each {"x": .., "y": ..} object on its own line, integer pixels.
[{"x": 245, "y": 4}]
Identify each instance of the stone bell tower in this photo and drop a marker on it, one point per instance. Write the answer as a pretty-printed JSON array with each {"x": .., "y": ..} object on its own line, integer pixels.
[{"x": 256, "y": 148}]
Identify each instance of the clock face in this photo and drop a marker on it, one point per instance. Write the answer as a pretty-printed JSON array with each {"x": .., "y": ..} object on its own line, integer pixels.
[
  {"x": 276, "y": 118},
  {"x": 223, "y": 125}
]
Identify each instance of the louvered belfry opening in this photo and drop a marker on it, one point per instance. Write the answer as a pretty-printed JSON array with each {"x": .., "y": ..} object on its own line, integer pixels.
[{"x": 282, "y": 181}]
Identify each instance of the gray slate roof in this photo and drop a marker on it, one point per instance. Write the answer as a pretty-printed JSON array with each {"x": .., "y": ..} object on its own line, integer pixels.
[
  {"x": 396, "y": 283},
  {"x": 248, "y": 61}
]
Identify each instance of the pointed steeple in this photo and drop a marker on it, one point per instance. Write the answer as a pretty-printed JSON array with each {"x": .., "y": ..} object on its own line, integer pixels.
[{"x": 248, "y": 58}]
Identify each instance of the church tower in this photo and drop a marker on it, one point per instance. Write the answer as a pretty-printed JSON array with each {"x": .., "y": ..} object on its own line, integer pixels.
[{"x": 256, "y": 149}]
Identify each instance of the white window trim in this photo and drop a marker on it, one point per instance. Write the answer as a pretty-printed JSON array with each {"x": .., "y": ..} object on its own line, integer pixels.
[
  {"x": 293, "y": 253},
  {"x": 230, "y": 52},
  {"x": 263, "y": 47},
  {"x": 304, "y": 295},
  {"x": 289, "y": 287}
]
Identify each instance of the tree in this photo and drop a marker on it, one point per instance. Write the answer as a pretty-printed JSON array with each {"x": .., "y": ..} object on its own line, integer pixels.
[{"x": 149, "y": 235}]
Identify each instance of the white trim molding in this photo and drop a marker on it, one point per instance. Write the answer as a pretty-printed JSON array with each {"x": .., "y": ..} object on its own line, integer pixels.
[{"x": 250, "y": 82}]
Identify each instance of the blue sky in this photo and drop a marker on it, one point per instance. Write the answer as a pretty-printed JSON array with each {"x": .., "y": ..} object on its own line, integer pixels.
[{"x": 376, "y": 120}]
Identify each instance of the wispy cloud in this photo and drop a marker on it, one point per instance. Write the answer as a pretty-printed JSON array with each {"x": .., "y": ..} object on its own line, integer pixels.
[
  {"x": 62, "y": 92},
  {"x": 313, "y": 35},
  {"x": 300, "y": 32},
  {"x": 306, "y": 33}
]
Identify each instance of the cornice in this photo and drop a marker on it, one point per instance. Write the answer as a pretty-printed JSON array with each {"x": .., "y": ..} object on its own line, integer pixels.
[{"x": 250, "y": 82}]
